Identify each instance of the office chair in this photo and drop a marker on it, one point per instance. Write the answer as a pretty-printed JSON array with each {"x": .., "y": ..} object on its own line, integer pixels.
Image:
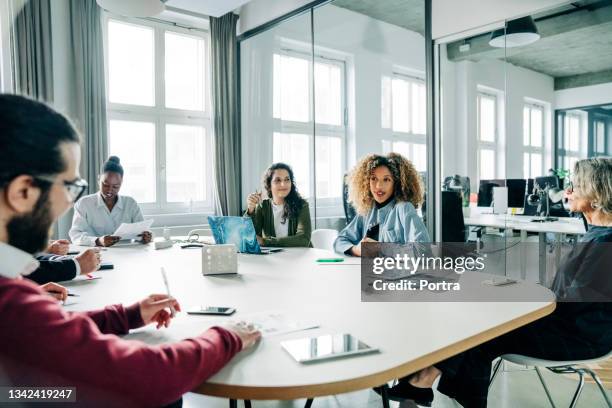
[
  {"x": 454, "y": 229},
  {"x": 558, "y": 367},
  {"x": 323, "y": 238},
  {"x": 453, "y": 225},
  {"x": 459, "y": 184}
]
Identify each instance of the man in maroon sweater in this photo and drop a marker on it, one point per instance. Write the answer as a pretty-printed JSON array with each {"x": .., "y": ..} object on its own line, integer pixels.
[{"x": 40, "y": 343}]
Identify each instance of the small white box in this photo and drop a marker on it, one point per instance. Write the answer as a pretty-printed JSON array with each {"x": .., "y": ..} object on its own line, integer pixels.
[
  {"x": 219, "y": 259},
  {"x": 500, "y": 200},
  {"x": 163, "y": 244}
]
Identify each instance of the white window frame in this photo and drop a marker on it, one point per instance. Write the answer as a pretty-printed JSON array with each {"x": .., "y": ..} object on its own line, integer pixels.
[
  {"x": 332, "y": 206},
  {"x": 161, "y": 116},
  {"x": 530, "y": 149},
  {"x": 582, "y": 138},
  {"x": 487, "y": 145},
  {"x": 411, "y": 138}
]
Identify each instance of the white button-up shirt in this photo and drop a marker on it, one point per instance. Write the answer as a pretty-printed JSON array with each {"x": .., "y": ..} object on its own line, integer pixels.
[
  {"x": 15, "y": 262},
  {"x": 92, "y": 219}
]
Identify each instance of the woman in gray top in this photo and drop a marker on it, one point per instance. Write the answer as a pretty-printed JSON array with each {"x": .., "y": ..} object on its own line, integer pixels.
[{"x": 580, "y": 328}]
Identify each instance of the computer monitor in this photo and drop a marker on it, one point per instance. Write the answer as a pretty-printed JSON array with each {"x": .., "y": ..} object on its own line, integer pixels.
[
  {"x": 485, "y": 191},
  {"x": 516, "y": 192}
]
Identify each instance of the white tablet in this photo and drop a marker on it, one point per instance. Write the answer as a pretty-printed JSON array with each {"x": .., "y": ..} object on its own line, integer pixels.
[{"x": 325, "y": 347}]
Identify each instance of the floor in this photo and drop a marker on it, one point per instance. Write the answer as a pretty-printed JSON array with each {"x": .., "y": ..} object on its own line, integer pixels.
[
  {"x": 516, "y": 386},
  {"x": 604, "y": 371}
]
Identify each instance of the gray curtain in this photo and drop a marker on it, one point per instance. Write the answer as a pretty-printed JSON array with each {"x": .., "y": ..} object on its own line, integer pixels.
[
  {"x": 31, "y": 50},
  {"x": 89, "y": 88},
  {"x": 226, "y": 113}
]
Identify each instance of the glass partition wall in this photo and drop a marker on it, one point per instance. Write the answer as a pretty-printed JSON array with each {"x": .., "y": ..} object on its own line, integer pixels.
[
  {"x": 324, "y": 88},
  {"x": 518, "y": 106},
  {"x": 276, "y": 90},
  {"x": 472, "y": 123}
]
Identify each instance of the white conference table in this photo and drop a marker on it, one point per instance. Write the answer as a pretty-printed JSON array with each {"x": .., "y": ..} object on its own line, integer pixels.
[
  {"x": 410, "y": 335},
  {"x": 524, "y": 223}
]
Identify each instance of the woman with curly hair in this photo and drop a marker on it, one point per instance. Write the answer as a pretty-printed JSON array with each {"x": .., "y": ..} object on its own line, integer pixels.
[
  {"x": 283, "y": 220},
  {"x": 385, "y": 191}
]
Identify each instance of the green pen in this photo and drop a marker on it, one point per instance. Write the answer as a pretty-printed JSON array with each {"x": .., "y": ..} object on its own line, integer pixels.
[{"x": 330, "y": 260}]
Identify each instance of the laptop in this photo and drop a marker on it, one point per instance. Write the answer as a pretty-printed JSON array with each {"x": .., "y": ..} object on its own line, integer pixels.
[{"x": 239, "y": 231}]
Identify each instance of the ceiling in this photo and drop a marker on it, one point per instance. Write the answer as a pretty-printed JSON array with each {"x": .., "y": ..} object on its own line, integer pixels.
[
  {"x": 408, "y": 14},
  {"x": 581, "y": 51},
  {"x": 213, "y": 8},
  {"x": 575, "y": 45}
]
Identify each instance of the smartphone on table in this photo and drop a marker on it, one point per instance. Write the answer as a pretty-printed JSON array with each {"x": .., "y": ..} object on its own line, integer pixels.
[{"x": 211, "y": 310}]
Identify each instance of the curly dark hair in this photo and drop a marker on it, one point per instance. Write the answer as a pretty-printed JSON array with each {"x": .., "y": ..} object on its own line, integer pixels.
[
  {"x": 407, "y": 182},
  {"x": 294, "y": 201}
]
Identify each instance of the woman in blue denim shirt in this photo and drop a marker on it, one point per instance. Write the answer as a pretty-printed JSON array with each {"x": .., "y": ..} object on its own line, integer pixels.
[{"x": 385, "y": 191}]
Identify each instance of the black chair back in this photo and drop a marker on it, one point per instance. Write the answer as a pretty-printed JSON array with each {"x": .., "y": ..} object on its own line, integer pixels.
[{"x": 453, "y": 226}]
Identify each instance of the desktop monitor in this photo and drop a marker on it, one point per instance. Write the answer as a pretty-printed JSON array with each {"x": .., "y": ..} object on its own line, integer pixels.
[
  {"x": 516, "y": 192},
  {"x": 485, "y": 191}
]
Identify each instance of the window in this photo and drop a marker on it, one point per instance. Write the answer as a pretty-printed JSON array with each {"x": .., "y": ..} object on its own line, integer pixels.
[
  {"x": 572, "y": 135},
  {"x": 487, "y": 128},
  {"x": 293, "y": 122},
  {"x": 533, "y": 140},
  {"x": 403, "y": 111},
  {"x": 159, "y": 115}
]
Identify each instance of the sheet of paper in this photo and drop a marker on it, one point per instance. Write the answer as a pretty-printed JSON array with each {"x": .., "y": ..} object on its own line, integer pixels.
[
  {"x": 275, "y": 323},
  {"x": 131, "y": 231}
]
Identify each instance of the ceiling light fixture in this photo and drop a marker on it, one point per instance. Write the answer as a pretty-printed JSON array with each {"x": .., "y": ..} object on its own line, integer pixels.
[
  {"x": 133, "y": 8},
  {"x": 517, "y": 33}
]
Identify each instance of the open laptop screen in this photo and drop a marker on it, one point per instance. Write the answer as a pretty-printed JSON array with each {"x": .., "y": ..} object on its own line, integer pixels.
[{"x": 235, "y": 230}]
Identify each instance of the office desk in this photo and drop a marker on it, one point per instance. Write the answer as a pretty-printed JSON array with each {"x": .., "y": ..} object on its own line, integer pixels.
[
  {"x": 524, "y": 224},
  {"x": 410, "y": 336}
]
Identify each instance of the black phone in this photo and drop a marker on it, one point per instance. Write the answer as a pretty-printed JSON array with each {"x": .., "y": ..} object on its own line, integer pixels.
[
  {"x": 373, "y": 232},
  {"x": 211, "y": 310},
  {"x": 106, "y": 265}
]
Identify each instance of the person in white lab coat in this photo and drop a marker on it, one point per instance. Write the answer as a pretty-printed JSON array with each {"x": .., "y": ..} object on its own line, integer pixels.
[{"x": 98, "y": 215}]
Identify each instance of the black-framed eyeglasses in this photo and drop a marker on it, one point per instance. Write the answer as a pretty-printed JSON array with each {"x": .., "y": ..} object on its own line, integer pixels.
[{"x": 75, "y": 188}]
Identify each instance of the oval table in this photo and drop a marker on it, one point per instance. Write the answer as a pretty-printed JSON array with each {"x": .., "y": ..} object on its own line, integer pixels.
[{"x": 409, "y": 335}]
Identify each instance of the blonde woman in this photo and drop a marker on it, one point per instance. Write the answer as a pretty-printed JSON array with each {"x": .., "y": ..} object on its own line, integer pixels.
[
  {"x": 385, "y": 191},
  {"x": 580, "y": 327}
]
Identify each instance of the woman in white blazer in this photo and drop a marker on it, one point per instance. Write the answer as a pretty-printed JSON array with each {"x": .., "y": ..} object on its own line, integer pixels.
[{"x": 98, "y": 215}]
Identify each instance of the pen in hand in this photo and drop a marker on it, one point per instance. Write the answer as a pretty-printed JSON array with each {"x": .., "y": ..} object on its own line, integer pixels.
[
  {"x": 163, "y": 272},
  {"x": 53, "y": 292}
]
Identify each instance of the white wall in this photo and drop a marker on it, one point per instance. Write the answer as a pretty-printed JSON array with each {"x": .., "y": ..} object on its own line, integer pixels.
[
  {"x": 453, "y": 16},
  {"x": 371, "y": 49},
  {"x": 459, "y": 82},
  {"x": 583, "y": 96}
]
